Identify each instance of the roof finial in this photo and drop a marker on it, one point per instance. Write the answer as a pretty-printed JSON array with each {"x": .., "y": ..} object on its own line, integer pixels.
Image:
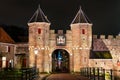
[
  {"x": 39, "y": 7},
  {"x": 80, "y": 8}
]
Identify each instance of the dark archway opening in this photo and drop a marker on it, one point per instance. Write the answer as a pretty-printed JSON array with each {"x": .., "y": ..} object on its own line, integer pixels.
[{"x": 60, "y": 61}]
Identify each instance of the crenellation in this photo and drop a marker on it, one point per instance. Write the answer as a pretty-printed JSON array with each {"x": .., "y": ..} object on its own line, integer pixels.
[
  {"x": 106, "y": 37},
  {"x": 102, "y": 36},
  {"x": 52, "y": 31},
  {"x": 110, "y": 36},
  {"x": 68, "y": 32},
  {"x": 94, "y": 36},
  {"x": 118, "y": 37}
]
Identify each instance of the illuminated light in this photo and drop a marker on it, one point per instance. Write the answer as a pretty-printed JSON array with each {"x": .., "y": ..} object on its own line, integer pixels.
[
  {"x": 113, "y": 49},
  {"x": 4, "y": 58},
  {"x": 42, "y": 48},
  {"x": 59, "y": 58},
  {"x": 29, "y": 48},
  {"x": 80, "y": 48},
  {"x": 86, "y": 48},
  {"x": 10, "y": 61},
  {"x": 36, "y": 51},
  {"x": 71, "y": 54},
  {"x": 49, "y": 54},
  {"x": 76, "y": 48}
]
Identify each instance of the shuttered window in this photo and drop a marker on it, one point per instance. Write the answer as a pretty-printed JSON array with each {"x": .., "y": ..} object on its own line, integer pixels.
[
  {"x": 83, "y": 31},
  {"x": 39, "y": 31}
]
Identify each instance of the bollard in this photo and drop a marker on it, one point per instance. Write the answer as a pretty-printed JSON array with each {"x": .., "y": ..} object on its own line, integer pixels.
[
  {"x": 87, "y": 72},
  {"x": 90, "y": 73},
  {"x": 98, "y": 74},
  {"x": 111, "y": 74},
  {"x": 103, "y": 74},
  {"x": 94, "y": 73}
]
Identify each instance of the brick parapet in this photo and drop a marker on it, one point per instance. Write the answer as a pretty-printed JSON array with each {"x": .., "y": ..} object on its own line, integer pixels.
[
  {"x": 106, "y": 37},
  {"x": 103, "y": 42},
  {"x": 52, "y": 31},
  {"x": 68, "y": 32}
]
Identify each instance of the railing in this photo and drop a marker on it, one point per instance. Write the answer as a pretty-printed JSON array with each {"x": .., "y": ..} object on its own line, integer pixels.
[
  {"x": 98, "y": 73},
  {"x": 21, "y": 74}
]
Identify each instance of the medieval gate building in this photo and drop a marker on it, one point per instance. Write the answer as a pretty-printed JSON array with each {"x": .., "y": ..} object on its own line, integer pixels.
[
  {"x": 59, "y": 52},
  {"x": 52, "y": 51}
]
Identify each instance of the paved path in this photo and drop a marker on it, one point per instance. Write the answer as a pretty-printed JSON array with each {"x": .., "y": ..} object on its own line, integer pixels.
[{"x": 65, "y": 76}]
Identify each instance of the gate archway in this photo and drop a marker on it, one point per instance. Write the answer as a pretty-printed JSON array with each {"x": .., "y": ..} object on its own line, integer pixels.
[{"x": 60, "y": 61}]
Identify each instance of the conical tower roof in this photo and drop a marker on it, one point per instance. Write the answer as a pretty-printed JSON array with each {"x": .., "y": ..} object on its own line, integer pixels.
[
  {"x": 80, "y": 17},
  {"x": 39, "y": 16}
]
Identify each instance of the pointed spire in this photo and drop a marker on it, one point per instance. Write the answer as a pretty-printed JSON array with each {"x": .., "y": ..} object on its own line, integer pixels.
[
  {"x": 39, "y": 16},
  {"x": 80, "y": 17}
]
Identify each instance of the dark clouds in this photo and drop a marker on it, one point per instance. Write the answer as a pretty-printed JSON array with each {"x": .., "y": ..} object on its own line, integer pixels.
[{"x": 104, "y": 14}]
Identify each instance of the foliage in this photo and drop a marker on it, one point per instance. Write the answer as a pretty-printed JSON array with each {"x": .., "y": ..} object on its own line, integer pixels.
[
  {"x": 9, "y": 74},
  {"x": 18, "y": 74}
]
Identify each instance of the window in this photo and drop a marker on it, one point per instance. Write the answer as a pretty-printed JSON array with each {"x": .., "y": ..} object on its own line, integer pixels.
[
  {"x": 83, "y": 31},
  {"x": 7, "y": 49},
  {"x": 39, "y": 31}
]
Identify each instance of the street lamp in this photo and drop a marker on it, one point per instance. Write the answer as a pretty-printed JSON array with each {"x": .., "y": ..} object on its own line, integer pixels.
[{"x": 36, "y": 52}]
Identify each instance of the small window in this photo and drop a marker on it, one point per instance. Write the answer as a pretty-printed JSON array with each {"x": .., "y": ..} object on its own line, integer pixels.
[
  {"x": 8, "y": 48},
  {"x": 83, "y": 31},
  {"x": 39, "y": 31}
]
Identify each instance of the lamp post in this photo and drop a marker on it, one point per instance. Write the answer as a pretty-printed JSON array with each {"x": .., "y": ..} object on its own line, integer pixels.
[{"x": 36, "y": 52}]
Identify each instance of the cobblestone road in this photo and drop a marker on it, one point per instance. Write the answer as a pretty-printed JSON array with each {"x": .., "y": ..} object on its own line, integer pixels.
[{"x": 64, "y": 76}]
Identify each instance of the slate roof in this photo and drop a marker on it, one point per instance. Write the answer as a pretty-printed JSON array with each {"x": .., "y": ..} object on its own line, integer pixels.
[
  {"x": 80, "y": 17},
  {"x": 39, "y": 16},
  {"x": 99, "y": 50}
]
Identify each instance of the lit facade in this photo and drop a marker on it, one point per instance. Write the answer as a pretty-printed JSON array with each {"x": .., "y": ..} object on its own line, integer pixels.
[{"x": 77, "y": 43}]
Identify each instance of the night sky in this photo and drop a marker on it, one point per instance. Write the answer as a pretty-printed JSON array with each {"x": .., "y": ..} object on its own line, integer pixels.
[{"x": 103, "y": 14}]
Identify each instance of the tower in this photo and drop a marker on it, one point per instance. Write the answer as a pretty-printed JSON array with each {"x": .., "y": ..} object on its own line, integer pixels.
[
  {"x": 81, "y": 40},
  {"x": 44, "y": 41},
  {"x": 39, "y": 27}
]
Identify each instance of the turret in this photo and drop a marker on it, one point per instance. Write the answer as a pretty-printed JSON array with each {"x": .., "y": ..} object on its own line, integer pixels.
[
  {"x": 39, "y": 27},
  {"x": 82, "y": 39}
]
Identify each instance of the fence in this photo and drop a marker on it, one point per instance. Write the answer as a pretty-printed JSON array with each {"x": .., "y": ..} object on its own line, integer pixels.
[
  {"x": 98, "y": 73},
  {"x": 21, "y": 74}
]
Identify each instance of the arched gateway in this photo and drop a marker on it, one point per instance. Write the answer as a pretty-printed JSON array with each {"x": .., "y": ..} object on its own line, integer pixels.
[
  {"x": 59, "y": 52},
  {"x": 60, "y": 61}
]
